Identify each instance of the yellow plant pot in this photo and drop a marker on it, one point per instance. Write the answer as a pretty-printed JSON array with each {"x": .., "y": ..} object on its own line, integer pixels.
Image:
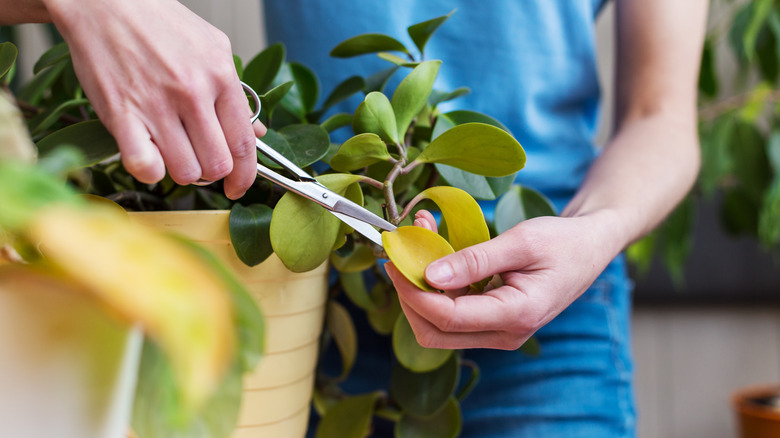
[
  {"x": 277, "y": 394},
  {"x": 756, "y": 420}
]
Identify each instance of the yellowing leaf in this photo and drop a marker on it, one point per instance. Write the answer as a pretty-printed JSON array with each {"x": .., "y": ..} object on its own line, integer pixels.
[
  {"x": 465, "y": 222},
  {"x": 412, "y": 249},
  {"x": 149, "y": 278}
]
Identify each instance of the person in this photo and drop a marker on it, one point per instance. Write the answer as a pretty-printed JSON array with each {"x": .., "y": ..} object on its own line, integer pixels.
[
  {"x": 162, "y": 81},
  {"x": 169, "y": 95},
  {"x": 531, "y": 65}
]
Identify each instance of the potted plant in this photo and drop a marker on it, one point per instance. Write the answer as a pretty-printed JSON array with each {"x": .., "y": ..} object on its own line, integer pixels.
[{"x": 404, "y": 151}]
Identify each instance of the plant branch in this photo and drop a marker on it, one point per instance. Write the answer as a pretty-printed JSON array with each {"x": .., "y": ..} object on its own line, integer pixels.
[{"x": 712, "y": 111}]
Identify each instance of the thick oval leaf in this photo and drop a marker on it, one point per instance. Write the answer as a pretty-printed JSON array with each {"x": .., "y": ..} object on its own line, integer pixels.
[
  {"x": 344, "y": 90},
  {"x": 90, "y": 137},
  {"x": 411, "y": 354},
  {"x": 303, "y": 144},
  {"x": 8, "y": 54},
  {"x": 149, "y": 278},
  {"x": 354, "y": 286},
  {"x": 261, "y": 71},
  {"x": 521, "y": 203},
  {"x": 424, "y": 394},
  {"x": 343, "y": 331},
  {"x": 302, "y": 97},
  {"x": 412, "y": 94},
  {"x": 271, "y": 99},
  {"x": 367, "y": 43},
  {"x": 445, "y": 424},
  {"x": 412, "y": 249},
  {"x": 34, "y": 90},
  {"x": 49, "y": 117},
  {"x": 349, "y": 418},
  {"x": 378, "y": 80},
  {"x": 421, "y": 32},
  {"x": 478, "y": 186},
  {"x": 302, "y": 232},
  {"x": 336, "y": 121},
  {"x": 375, "y": 115},
  {"x": 466, "y": 224},
  {"x": 359, "y": 260},
  {"x": 384, "y": 314},
  {"x": 358, "y": 152},
  {"x": 397, "y": 60},
  {"x": 250, "y": 232},
  {"x": 476, "y": 148},
  {"x": 438, "y": 97},
  {"x": 54, "y": 55}
]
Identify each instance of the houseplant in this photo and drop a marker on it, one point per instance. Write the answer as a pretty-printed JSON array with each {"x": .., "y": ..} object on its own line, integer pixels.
[{"x": 404, "y": 151}]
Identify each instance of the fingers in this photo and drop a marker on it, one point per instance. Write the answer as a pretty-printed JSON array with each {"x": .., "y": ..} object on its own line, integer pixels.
[
  {"x": 475, "y": 263},
  {"x": 139, "y": 155},
  {"x": 424, "y": 219},
  {"x": 239, "y": 133}
]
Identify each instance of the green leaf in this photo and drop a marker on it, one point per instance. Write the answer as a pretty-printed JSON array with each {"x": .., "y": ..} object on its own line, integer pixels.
[
  {"x": 8, "y": 54},
  {"x": 445, "y": 424},
  {"x": 378, "y": 81},
  {"x": 250, "y": 232},
  {"x": 238, "y": 63},
  {"x": 773, "y": 151},
  {"x": 336, "y": 121},
  {"x": 531, "y": 347},
  {"x": 159, "y": 413},
  {"x": 350, "y": 418},
  {"x": 367, "y": 43},
  {"x": 410, "y": 354},
  {"x": 412, "y": 94},
  {"x": 678, "y": 239},
  {"x": 344, "y": 90},
  {"x": 51, "y": 115},
  {"x": 55, "y": 55},
  {"x": 301, "y": 144},
  {"x": 375, "y": 115},
  {"x": 769, "y": 216},
  {"x": 737, "y": 31},
  {"x": 438, "y": 97},
  {"x": 358, "y": 152},
  {"x": 715, "y": 153},
  {"x": 477, "y": 148},
  {"x": 708, "y": 77},
  {"x": 518, "y": 204},
  {"x": 90, "y": 137},
  {"x": 750, "y": 162},
  {"x": 33, "y": 92},
  {"x": 303, "y": 232},
  {"x": 759, "y": 12},
  {"x": 397, "y": 60},
  {"x": 355, "y": 287},
  {"x": 304, "y": 94},
  {"x": 421, "y": 32},
  {"x": 341, "y": 327},
  {"x": 384, "y": 314},
  {"x": 261, "y": 71},
  {"x": 271, "y": 99},
  {"x": 424, "y": 394},
  {"x": 359, "y": 260}
]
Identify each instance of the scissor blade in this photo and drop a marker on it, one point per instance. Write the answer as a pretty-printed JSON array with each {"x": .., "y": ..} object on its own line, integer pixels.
[
  {"x": 361, "y": 227},
  {"x": 351, "y": 209}
]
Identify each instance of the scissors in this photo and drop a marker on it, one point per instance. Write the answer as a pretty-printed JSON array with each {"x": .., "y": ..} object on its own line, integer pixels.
[{"x": 352, "y": 214}]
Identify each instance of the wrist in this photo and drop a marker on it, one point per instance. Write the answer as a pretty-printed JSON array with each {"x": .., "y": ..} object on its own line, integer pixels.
[{"x": 610, "y": 226}]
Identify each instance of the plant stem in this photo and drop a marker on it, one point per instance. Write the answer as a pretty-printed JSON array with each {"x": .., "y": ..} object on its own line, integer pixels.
[
  {"x": 387, "y": 187},
  {"x": 710, "y": 112}
]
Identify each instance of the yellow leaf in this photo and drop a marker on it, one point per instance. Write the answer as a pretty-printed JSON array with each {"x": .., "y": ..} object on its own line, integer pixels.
[
  {"x": 466, "y": 224},
  {"x": 412, "y": 249}
]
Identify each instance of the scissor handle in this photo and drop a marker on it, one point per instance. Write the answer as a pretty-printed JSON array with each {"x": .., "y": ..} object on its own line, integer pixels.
[{"x": 253, "y": 94}]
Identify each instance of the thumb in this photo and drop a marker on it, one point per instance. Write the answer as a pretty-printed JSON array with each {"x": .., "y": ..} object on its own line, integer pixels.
[{"x": 472, "y": 264}]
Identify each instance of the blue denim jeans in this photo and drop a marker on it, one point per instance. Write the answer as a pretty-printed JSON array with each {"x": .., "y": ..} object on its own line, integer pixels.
[{"x": 580, "y": 385}]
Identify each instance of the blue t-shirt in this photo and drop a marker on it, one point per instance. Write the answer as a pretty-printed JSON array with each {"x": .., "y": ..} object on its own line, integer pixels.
[{"x": 530, "y": 64}]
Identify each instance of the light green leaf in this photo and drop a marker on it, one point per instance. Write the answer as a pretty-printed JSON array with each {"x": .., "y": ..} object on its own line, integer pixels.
[
  {"x": 424, "y": 394},
  {"x": 476, "y": 148},
  {"x": 250, "y": 232},
  {"x": 367, "y": 43},
  {"x": 759, "y": 12},
  {"x": 518, "y": 204},
  {"x": 342, "y": 329},
  {"x": 375, "y": 115},
  {"x": 358, "y": 152},
  {"x": 397, "y": 60},
  {"x": 438, "y": 97},
  {"x": 261, "y": 71},
  {"x": 271, "y": 99},
  {"x": 412, "y": 94},
  {"x": 90, "y": 137},
  {"x": 355, "y": 287},
  {"x": 384, "y": 314},
  {"x": 421, "y": 32},
  {"x": 444, "y": 424},
  {"x": 359, "y": 260},
  {"x": 411, "y": 354},
  {"x": 350, "y": 418},
  {"x": 8, "y": 54}
]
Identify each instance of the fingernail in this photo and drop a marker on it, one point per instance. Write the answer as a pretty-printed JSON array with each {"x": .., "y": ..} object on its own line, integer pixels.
[{"x": 439, "y": 272}]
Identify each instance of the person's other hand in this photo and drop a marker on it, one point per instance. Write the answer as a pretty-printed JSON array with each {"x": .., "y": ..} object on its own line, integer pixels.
[
  {"x": 163, "y": 82},
  {"x": 544, "y": 264}
]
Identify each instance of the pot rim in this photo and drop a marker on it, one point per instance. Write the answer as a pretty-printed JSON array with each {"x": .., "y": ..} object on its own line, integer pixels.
[{"x": 743, "y": 401}]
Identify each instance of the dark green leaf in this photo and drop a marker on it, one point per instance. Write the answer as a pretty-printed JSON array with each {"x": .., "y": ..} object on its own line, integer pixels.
[
  {"x": 759, "y": 12},
  {"x": 379, "y": 80},
  {"x": 32, "y": 93},
  {"x": 740, "y": 213},
  {"x": 715, "y": 152},
  {"x": 355, "y": 287},
  {"x": 336, "y": 121},
  {"x": 350, "y": 418},
  {"x": 8, "y": 54},
  {"x": 445, "y": 424},
  {"x": 344, "y": 90},
  {"x": 751, "y": 164},
  {"x": 518, "y": 204},
  {"x": 421, "y": 32},
  {"x": 411, "y": 354},
  {"x": 342, "y": 329},
  {"x": 708, "y": 78},
  {"x": 769, "y": 217},
  {"x": 438, "y": 97},
  {"x": 302, "y": 97},
  {"x": 424, "y": 394},
  {"x": 275, "y": 95},
  {"x": 90, "y": 137},
  {"x": 736, "y": 36},
  {"x": 301, "y": 144},
  {"x": 261, "y": 71},
  {"x": 531, "y": 347},
  {"x": 250, "y": 232},
  {"x": 52, "y": 115},
  {"x": 55, "y": 55},
  {"x": 412, "y": 94},
  {"x": 367, "y": 43}
]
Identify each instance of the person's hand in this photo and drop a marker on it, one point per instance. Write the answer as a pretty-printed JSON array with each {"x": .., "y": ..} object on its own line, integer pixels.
[
  {"x": 543, "y": 263},
  {"x": 163, "y": 82}
]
